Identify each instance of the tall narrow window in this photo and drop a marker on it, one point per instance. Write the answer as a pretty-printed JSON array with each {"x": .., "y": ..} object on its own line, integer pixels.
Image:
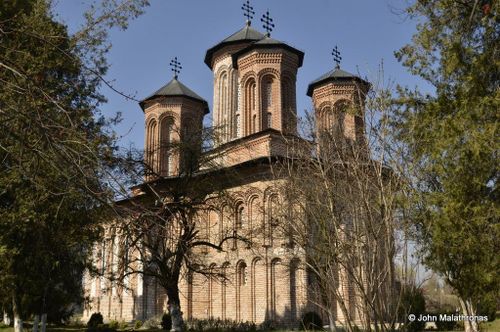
[
  {"x": 268, "y": 94},
  {"x": 249, "y": 107},
  {"x": 288, "y": 105},
  {"x": 237, "y": 108},
  {"x": 166, "y": 133},
  {"x": 223, "y": 106},
  {"x": 254, "y": 123},
  {"x": 269, "y": 119},
  {"x": 151, "y": 146},
  {"x": 240, "y": 216},
  {"x": 267, "y": 100},
  {"x": 238, "y": 125}
]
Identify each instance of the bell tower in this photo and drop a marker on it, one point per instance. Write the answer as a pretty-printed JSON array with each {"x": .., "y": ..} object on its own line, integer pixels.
[
  {"x": 267, "y": 75},
  {"x": 338, "y": 99},
  {"x": 173, "y": 120}
]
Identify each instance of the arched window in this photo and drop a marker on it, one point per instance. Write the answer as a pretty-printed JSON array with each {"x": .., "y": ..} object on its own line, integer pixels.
[
  {"x": 250, "y": 111},
  {"x": 326, "y": 119},
  {"x": 267, "y": 100},
  {"x": 226, "y": 225},
  {"x": 275, "y": 279},
  {"x": 288, "y": 103},
  {"x": 213, "y": 224},
  {"x": 151, "y": 142},
  {"x": 273, "y": 212},
  {"x": 238, "y": 125},
  {"x": 240, "y": 216},
  {"x": 267, "y": 93},
  {"x": 223, "y": 114},
  {"x": 241, "y": 281},
  {"x": 340, "y": 109},
  {"x": 272, "y": 217},
  {"x": 224, "y": 276},
  {"x": 166, "y": 133}
]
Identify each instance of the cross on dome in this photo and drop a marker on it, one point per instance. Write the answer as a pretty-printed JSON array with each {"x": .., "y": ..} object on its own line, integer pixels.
[
  {"x": 248, "y": 12},
  {"x": 268, "y": 23},
  {"x": 175, "y": 67},
  {"x": 336, "y": 56}
]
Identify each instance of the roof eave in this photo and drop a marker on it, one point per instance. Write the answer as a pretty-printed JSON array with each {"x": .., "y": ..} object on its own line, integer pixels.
[
  {"x": 251, "y": 47},
  {"x": 313, "y": 85},
  {"x": 204, "y": 102},
  {"x": 212, "y": 50}
]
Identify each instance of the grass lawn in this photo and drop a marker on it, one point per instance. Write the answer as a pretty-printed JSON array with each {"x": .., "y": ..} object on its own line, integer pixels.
[{"x": 488, "y": 327}]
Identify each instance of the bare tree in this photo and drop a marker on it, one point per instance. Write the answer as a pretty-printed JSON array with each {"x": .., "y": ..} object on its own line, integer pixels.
[
  {"x": 163, "y": 227},
  {"x": 344, "y": 207}
]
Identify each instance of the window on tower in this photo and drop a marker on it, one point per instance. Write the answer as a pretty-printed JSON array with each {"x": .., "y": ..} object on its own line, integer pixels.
[{"x": 238, "y": 125}]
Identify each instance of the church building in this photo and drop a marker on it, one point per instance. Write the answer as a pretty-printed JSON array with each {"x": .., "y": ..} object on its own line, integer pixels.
[{"x": 255, "y": 114}]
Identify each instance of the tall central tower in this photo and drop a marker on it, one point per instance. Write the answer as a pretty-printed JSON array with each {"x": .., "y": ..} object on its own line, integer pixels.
[{"x": 254, "y": 85}]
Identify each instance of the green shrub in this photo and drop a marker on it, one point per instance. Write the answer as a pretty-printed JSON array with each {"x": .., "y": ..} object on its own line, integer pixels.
[
  {"x": 113, "y": 324},
  {"x": 123, "y": 325},
  {"x": 412, "y": 302},
  {"x": 166, "y": 322},
  {"x": 3, "y": 326},
  {"x": 95, "y": 320},
  {"x": 152, "y": 323},
  {"x": 311, "y": 321},
  {"x": 137, "y": 324},
  {"x": 101, "y": 328},
  {"x": 488, "y": 306},
  {"x": 217, "y": 325},
  {"x": 445, "y": 325}
]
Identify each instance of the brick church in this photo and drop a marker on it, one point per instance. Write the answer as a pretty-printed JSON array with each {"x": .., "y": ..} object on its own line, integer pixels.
[{"x": 254, "y": 109}]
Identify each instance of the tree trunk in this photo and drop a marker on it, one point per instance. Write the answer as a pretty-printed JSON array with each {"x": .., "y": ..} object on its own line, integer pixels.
[
  {"x": 35, "y": 323},
  {"x": 6, "y": 318},
  {"x": 44, "y": 323},
  {"x": 468, "y": 309},
  {"x": 16, "y": 311},
  {"x": 174, "y": 308},
  {"x": 331, "y": 321}
]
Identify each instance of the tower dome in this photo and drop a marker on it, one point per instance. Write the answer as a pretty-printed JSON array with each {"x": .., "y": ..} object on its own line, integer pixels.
[
  {"x": 338, "y": 98},
  {"x": 173, "y": 121},
  {"x": 238, "y": 40}
]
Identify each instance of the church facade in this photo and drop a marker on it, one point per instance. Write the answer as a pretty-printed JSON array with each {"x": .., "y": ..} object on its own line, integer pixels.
[{"x": 254, "y": 110}]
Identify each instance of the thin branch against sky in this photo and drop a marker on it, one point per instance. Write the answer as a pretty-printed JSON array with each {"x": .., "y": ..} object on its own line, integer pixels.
[{"x": 367, "y": 32}]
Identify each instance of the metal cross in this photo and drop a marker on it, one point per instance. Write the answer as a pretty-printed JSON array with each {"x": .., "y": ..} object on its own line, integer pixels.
[
  {"x": 268, "y": 23},
  {"x": 248, "y": 12},
  {"x": 336, "y": 56},
  {"x": 176, "y": 66}
]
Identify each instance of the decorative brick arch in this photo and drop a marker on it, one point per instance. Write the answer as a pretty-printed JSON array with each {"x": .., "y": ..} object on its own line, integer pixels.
[
  {"x": 249, "y": 104},
  {"x": 224, "y": 282},
  {"x": 258, "y": 292},
  {"x": 268, "y": 71},
  {"x": 254, "y": 213},
  {"x": 151, "y": 143},
  {"x": 241, "y": 290},
  {"x": 269, "y": 81},
  {"x": 247, "y": 76},
  {"x": 274, "y": 296},
  {"x": 294, "y": 290}
]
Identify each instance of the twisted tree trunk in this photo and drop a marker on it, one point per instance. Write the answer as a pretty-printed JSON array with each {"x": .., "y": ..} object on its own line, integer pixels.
[
  {"x": 174, "y": 307},
  {"x": 16, "y": 311},
  {"x": 469, "y": 309}
]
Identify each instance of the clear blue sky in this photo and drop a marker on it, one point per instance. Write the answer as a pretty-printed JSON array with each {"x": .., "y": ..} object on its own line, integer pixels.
[{"x": 366, "y": 31}]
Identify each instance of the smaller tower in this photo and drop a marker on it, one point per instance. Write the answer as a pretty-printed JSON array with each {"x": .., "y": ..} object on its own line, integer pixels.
[
  {"x": 338, "y": 98},
  {"x": 173, "y": 121}
]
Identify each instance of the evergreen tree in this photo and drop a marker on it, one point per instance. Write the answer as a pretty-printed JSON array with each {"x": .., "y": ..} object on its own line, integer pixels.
[
  {"x": 453, "y": 139},
  {"x": 55, "y": 149}
]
